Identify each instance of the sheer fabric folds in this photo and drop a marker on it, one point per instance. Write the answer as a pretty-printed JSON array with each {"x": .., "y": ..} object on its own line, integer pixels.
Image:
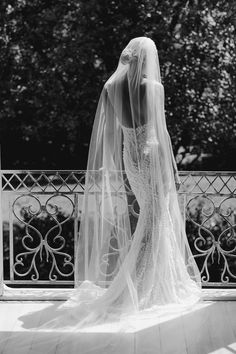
[{"x": 123, "y": 267}]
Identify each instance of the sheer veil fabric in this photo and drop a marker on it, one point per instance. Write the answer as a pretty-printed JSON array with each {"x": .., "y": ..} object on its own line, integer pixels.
[
  {"x": 126, "y": 270},
  {"x": 121, "y": 269}
]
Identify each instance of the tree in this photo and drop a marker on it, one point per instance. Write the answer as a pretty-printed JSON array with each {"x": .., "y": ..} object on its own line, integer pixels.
[
  {"x": 56, "y": 56},
  {"x": 41, "y": 87}
]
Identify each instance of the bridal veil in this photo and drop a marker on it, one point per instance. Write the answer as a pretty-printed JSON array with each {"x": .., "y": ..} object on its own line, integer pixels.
[{"x": 110, "y": 256}]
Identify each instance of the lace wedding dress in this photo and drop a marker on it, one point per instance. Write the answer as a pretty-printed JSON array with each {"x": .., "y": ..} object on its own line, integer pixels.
[
  {"x": 153, "y": 273},
  {"x": 161, "y": 274}
]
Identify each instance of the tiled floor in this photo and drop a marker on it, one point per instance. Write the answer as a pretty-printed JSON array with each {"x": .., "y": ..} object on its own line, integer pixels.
[{"x": 209, "y": 327}]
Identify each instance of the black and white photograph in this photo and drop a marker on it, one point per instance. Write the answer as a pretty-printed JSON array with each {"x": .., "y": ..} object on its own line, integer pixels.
[{"x": 118, "y": 177}]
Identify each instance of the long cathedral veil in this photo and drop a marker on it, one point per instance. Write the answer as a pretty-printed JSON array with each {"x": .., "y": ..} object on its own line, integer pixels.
[{"x": 108, "y": 247}]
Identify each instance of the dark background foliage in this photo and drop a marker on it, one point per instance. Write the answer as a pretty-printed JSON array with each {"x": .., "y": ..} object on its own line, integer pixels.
[{"x": 56, "y": 55}]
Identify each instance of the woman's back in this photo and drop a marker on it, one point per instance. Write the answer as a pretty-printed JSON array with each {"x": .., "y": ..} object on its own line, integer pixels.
[{"x": 130, "y": 104}]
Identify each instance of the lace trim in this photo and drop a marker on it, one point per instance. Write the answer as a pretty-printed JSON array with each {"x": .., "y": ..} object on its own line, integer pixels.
[{"x": 138, "y": 129}]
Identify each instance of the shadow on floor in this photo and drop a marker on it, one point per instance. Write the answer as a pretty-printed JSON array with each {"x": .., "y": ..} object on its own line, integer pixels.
[{"x": 205, "y": 328}]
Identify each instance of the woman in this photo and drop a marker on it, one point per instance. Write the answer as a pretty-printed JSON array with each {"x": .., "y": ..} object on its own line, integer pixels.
[{"x": 122, "y": 269}]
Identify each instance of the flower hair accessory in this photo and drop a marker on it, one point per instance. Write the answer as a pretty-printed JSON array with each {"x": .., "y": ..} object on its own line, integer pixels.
[{"x": 126, "y": 56}]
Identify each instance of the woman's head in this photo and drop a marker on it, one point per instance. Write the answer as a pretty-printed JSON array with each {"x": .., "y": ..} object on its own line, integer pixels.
[
  {"x": 140, "y": 56},
  {"x": 138, "y": 59},
  {"x": 137, "y": 48}
]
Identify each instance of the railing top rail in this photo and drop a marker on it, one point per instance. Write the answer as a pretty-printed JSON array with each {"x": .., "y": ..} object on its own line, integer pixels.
[
  {"x": 193, "y": 173},
  {"x": 37, "y": 181}
]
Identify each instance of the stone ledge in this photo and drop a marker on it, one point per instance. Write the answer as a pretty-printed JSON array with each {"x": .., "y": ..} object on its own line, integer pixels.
[{"x": 46, "y": 294}]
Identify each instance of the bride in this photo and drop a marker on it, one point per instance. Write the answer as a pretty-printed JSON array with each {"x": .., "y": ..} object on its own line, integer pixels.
[
  {"x": 126, "y": 271},
  {"x": 122, "y": 268}
]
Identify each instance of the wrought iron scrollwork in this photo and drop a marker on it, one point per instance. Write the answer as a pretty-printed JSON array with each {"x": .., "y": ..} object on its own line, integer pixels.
[
  {"x": 208, "y": 201},
  {"x": 35, "y": 243},
  {"x": 215, "y": 244}
]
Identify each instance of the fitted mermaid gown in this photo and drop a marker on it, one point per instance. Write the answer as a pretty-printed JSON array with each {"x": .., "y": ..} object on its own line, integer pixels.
[
  {"x": 161, "y": 274},
  {"x": 154, "y": 274}
]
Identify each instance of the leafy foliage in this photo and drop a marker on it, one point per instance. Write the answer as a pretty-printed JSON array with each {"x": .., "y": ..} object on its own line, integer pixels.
[{"x": 56, "y": 55}]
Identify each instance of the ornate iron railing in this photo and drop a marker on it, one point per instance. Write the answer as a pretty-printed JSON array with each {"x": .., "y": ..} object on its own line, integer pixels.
[{"x": 41, "y": 212}]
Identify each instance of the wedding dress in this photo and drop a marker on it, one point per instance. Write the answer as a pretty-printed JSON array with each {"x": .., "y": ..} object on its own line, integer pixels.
[
  {"x": 153, "y": 274},
  {"x": 162, "y": 277}
]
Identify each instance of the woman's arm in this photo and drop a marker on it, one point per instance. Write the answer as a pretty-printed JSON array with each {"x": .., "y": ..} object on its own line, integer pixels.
[
  {"x": 109, "y": 129},
  {"x": 174, "y": 165}
]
